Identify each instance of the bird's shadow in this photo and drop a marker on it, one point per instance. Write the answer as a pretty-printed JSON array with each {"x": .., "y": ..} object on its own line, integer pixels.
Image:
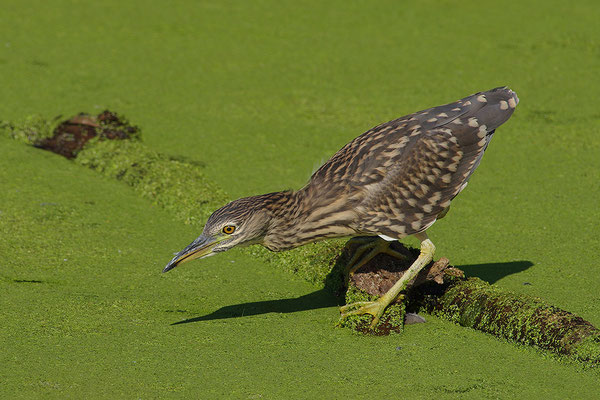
[{"x": 323, "y": 298}]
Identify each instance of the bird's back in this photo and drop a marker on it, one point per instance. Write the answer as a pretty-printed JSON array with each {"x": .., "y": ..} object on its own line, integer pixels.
[{"x": 401, "y": 174}]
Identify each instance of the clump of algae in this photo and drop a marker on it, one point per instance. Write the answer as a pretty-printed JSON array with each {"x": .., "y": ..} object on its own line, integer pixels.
[
  {"x": 30, "y": 130},
  {"x": 523, "y": 319},
  {"x": 313, "y": 262},
  {"x": 177, "y": 186}
]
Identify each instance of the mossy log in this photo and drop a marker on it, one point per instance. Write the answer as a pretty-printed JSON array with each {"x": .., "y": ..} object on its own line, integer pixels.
[
  {"x": 524, "y": 319},
  {"x": 444, "y": 291},
  {"x": 439, "y": 289}
]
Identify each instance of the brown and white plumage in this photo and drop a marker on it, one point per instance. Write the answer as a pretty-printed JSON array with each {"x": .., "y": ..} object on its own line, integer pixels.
[{"x": 393, "y": 181}]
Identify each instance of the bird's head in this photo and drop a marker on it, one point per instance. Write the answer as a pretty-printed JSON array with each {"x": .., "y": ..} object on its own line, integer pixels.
[{"x": 241, "y": 222}]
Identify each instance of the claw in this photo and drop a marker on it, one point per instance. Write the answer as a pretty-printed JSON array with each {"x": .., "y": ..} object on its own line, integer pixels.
[{"x": 375, "y": 308}]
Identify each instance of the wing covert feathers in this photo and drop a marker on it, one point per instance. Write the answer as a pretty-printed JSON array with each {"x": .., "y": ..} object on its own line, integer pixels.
[{"x": 401, "y": 174}]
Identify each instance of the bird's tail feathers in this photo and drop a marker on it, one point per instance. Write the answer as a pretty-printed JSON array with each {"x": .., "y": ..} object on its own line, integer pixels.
[{"x": 492, "y": 108}]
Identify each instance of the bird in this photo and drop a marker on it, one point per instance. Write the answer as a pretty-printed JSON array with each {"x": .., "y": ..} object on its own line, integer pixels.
[{"x": 393, "y": 181}]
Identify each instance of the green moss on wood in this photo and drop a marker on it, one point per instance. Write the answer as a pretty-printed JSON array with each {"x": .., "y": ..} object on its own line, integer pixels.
[
  {"x": 29, "y": 130},
  {"x": 527, "y": 320},
  {"x": 312, "y": 262},
  {"x": 178, "y": 186}
]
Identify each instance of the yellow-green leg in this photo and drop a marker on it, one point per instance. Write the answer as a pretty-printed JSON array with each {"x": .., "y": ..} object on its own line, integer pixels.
[
  {"x": 376, "y": 246},
  {"x": 376, "y": 308}
]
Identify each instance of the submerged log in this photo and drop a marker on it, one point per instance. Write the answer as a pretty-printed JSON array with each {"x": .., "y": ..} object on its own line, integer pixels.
[{"x": 444, "y": 291}]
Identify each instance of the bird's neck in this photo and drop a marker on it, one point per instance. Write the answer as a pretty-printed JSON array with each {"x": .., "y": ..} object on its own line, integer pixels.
[{"x": 306, "y": 216}]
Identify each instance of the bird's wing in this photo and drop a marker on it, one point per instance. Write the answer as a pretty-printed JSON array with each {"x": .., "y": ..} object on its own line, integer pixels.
[
  {"x": 408, "y": 198},
  {"x": 410, "y": 169},
  {"x": 386, "y": 143}
]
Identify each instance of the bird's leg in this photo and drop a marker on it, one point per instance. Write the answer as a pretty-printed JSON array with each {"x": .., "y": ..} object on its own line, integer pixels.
[
  {"x": 376, "y": 308},
  {"x": 376, "y": 246}
]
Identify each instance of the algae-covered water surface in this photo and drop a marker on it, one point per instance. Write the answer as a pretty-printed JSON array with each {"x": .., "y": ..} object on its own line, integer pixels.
[{"x": 257, "y": 95}]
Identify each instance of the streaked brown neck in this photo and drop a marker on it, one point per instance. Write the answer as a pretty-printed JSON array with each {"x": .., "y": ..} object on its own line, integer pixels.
[{"x": 306, "y": 216}]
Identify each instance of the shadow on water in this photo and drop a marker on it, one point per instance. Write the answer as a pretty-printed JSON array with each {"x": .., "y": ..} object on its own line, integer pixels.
[
  {"x": 493, "y": 272},
  {"x": 489, "y": 272},
  {"x": 319, "y": 299}
]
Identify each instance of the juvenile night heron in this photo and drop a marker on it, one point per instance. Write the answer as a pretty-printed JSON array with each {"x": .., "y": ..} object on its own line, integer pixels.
[{"x": 392, "y": 181}]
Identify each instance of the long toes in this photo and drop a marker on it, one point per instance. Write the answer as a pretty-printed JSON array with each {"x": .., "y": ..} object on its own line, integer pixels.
[
  {"x": 372, "y": 308},
  {"x": 352, "y": 305}
]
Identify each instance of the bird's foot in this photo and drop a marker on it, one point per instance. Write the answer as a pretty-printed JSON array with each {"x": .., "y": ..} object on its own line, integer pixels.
[
  {"x": 377, "y": 246},
  {"x": 375, "y": 308}
]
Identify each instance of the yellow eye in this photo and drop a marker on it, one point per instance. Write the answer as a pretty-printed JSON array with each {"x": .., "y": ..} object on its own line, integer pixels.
[{"x": 229, "y": 229}]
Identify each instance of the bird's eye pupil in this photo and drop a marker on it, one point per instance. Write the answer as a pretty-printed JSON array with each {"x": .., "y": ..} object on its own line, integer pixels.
[{"x": 229, "y": 229}]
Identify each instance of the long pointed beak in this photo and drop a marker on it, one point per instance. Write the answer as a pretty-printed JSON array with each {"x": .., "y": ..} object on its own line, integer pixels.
[{"x": 199, "y": 248}]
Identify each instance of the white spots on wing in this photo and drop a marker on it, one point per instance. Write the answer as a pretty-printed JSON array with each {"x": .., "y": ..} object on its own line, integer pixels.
[
  {"x": 412, "y": 202},
  {"x": 482, "y": 132},
  {"x": 432, "y": 120},
  {"x": 457, "y": 121},
  {"x": 503, "y": 105},
  {"x": 442, "y": 115},
  {"x": 441, "y": 164},
  {"x": 456, "y": 109},
  {"x": 399, "y": 144},
  {"x": 512, "y": 103},
  {"x": 467, "y": 103},
  {"x": 481, "y": 98},
  {"x": 482, "y": 142},
  {"x": 473, "y": 122},
  {"x": 446, "y": 178},
  {"x": 415, "y": 225},
  {"x": 416, "y": 130},
  {"x": 445, "y": 204},
  {"x": 375, "y": 146},
  {"x": 427, "y": 208}
]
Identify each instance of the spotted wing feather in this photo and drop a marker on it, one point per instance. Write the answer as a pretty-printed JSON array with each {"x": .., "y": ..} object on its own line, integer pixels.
[{"x": 402, "y": 174}]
